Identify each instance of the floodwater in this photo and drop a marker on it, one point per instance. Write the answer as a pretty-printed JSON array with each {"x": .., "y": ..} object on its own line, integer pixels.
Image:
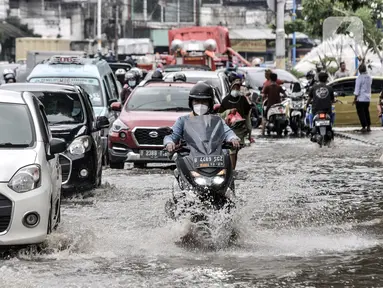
[{"x": 309, "y": 217}]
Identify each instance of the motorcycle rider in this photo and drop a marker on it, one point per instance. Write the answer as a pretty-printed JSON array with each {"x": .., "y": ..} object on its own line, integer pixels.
[
  {"x": 179, "y": 77},
  {"x": 322, "y": 97},
  {"x": 157, "y": 76},
  {"x": 272, "y": 95},
  {"x": 120, "y": 75},
  {"x": 129, "y": 85},
  {"x": 319, "y": 68},
  {"x": 201, "y": 101},
  {"x": 268, "y": 81},
  {"x": 237, "y": 102},
  {"x": 9, "y": 76}
]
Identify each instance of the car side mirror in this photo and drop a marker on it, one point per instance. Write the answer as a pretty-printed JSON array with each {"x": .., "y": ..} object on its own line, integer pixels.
[
  {"x": 116, "y": 106},
  {"x": 111, "y": 101},
  {"x": 56, "y": 146},
  {"x": 102, "y": 122},
  {"x": 165, "y": 130}
]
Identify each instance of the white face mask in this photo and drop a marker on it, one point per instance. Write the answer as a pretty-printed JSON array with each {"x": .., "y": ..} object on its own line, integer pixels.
[
  {"x": 132, "y": 83},
  {"x": 200, "y": 109},
  {"x": 234, "y": 93}
]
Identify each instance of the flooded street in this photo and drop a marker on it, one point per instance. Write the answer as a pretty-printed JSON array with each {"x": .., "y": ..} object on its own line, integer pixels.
[{"x": 309, "y": 217}]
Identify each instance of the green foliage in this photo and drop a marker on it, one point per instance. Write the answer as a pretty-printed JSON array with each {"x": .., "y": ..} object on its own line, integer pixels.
[
  {"x": 298, "y": 25},
  {"x": 297, "y": 74}
]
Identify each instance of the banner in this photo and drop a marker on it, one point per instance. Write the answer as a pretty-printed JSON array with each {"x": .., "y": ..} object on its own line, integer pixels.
[{"x": 248, "y": 45}]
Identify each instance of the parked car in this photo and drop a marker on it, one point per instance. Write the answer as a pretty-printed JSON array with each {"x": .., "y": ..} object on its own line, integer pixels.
[
  {"x": 346, "y": 113},
  {"x": 30, "y": 172},
  {"x": 215, "y": 78},
  {"x": 134, "y": 136},
  {"x": 94, "y": 75},
  {"x": 71, "y": 117}
]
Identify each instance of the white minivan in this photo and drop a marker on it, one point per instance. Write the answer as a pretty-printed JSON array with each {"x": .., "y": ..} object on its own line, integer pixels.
[{"x": 30, "y": 172}]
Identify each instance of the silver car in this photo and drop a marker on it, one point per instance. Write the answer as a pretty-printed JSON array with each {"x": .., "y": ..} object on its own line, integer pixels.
[{"x": 30, "y": 173}]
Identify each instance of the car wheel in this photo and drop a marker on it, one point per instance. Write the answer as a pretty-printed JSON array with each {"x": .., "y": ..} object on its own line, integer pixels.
[{"x": 117, "y": 165}]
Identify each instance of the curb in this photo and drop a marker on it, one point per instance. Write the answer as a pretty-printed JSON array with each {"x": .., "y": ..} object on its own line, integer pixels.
[{"x": 345, "y": 135}]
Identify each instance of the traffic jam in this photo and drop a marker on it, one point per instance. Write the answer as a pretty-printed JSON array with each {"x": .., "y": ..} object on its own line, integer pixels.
[{"x": 77, "y": 118}]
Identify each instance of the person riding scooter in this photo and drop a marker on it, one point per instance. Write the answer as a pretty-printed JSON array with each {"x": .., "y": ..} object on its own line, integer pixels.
[
  {"x": 129, "y": 85},
  {"x": 322, "y": 97},
  {"x": 272, "y": 95},
  {"x": 179, "y": 77},
  {"x": 9, "y": 76},
  {"x": 120, "y": 75},
  {"x": 201, "y": 101}
]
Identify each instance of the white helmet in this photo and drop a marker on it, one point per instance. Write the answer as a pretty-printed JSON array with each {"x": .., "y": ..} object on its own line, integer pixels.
[
  {"x": 120, "y": 72},
  {"x": 256, "y": 62}
]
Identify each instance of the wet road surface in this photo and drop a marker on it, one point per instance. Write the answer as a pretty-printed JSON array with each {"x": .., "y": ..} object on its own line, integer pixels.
[{"x": 309, "y": 217}]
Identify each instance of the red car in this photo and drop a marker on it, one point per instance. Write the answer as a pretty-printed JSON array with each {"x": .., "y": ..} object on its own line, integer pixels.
[{"x": 134, "y": 136}]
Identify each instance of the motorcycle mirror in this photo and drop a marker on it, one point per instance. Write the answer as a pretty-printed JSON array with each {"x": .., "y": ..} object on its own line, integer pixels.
[{"x": 166, "y": 130}]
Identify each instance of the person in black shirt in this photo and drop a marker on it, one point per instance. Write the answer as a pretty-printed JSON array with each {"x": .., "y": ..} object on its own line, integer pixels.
[
  {"x": 237, "y": 102},
  {"x": 321, "y": 96}
]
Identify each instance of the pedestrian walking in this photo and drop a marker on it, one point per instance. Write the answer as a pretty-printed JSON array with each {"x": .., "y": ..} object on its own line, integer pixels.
[{"x": 363, "y": 98}]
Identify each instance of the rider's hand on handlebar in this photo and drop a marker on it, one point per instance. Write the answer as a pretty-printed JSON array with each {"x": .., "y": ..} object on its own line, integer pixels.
[
  {"x": 170, "y": 147},
  {"x": 235, "y": 143}
]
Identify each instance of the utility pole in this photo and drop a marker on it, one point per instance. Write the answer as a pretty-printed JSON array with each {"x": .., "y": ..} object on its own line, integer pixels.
[
  {"x": 99, "y": 4},
  {"x": 197, "y": 14},
  {"x": 116, "y": 28},
  {"x": 280, "y": 44},
  {"x": 294, "y": 35}
]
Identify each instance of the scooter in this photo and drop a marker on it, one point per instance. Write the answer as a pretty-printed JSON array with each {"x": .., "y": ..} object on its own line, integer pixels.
[
  {"x": 256, "y": 109},
  {"x": 297, "y": 113},
  {"x": 277, "y": 120},
  {"x": 322, "y": 132}
]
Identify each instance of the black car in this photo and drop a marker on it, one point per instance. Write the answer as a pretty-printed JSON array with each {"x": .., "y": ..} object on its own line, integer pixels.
[{"x": 71, "y": 118}]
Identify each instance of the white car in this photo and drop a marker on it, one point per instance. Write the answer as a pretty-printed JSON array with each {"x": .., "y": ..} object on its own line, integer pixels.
[{"x": 30, "y": 173}]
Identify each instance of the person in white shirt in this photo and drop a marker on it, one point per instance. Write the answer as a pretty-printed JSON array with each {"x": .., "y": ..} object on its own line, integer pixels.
[{"x": 363, "y": 98}]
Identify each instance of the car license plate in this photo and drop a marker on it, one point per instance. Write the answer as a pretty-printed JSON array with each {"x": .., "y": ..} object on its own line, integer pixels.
[
  {"x": 322, "y": 123},
  {"x": 209, "y": 162},
  {"x": 154, "y": 154}
]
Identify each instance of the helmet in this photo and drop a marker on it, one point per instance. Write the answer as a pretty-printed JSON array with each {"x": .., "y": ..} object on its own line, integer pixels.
[
  {"x": 9, "y": 74},
  {"x": 138, "y": 70},
  {"x": 120, "y": 72},
  {"x": 235, "y": 75},
  {"x": 310, "y": 75},
  {"x": 130, "y": 76},
  {"x": 179, "y": 77},
  {"x": 202, "y": 91},
  {"x": 157, "y": 75},
  {"x": 256, "y": 62}
]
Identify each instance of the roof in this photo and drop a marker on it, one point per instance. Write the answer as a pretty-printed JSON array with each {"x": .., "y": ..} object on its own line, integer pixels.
[
  {"x": 258, "y": 34},
  {"x": 11, "y": 97},
  {"x": 39, "y": 87},
  {"x": 354, "y": 78},
  {"x": 183, "y": 67},
  {"x": 170, "y": 84},
  {"x": 11, "y": 31},
  {"x": 194, "y": 73},
  {"x": 62, "y": 70}
]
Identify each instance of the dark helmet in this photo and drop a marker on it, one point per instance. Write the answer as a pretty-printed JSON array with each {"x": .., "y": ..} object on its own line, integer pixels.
[
  {"x": 157, "y": 75},
  {"x": 235, "y": 75},
  {"x": 202, "y": 91},
  {"x": 310, "y": 75},
  {"x": 136, "y": 74},
  {"x": 179, "y": 77}
]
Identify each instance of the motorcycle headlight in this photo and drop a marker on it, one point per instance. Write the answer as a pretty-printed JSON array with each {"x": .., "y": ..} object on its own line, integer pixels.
[
  {"x": 80, "y": 145},
  {"x": 118, "y": 126},
  {"x": 218, "y": 180},
  {"x": 200, "y": 181},
  {"x": 26, "y": 179}
]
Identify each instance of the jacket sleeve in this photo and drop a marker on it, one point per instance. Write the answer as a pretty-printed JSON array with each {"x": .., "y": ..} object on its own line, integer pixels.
[
  {"x": 178, "y": 129},
  {"x": 229, "y": 134}
]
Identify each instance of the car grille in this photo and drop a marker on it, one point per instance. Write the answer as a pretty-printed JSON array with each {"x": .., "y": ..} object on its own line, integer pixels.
[
  {"x": 65, "y": 168},
  {"x": 143, "y": 138},
  {"x": 5, "y": 212}
]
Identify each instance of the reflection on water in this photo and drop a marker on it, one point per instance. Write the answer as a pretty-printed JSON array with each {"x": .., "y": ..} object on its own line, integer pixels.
[{"x": 308, "y": 217}]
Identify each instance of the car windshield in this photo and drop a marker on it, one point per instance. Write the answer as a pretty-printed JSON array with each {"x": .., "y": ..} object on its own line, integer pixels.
[
  {"x": 257, "y": 78},
  {"x": 90, "y": 85},
  {"x": 62, "y": 108},
  {"x": 164, "y": 98},
  {"x": 17, "y": 126}
]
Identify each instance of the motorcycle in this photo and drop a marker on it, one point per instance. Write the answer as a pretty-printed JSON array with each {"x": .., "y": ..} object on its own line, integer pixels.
[
  {"x": 256, "y": 108},
  {"x": 322, "y": 129},
  {"x": 276, "y": 118},
  {"x": 204, "y": 181},
  {"x": 297, "y": 113}
]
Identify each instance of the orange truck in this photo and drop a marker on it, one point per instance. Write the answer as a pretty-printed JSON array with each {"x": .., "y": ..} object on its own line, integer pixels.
[{"x": 203, "y": 46}]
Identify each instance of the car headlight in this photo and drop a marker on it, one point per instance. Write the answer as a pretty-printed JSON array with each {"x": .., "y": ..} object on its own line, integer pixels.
[
  {"x": 80, "y": 145},
  {"x": 118, "y": 126},
  {"x": 26, "y": 179}
]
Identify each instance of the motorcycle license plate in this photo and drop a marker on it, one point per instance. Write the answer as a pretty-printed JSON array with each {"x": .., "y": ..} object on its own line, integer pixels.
[
  {"x": 154, "y": 154},
  {"x": 322, "y": 123},
  {"x": 209, "y": 162},
  {"x": 279, "y": 117}
]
